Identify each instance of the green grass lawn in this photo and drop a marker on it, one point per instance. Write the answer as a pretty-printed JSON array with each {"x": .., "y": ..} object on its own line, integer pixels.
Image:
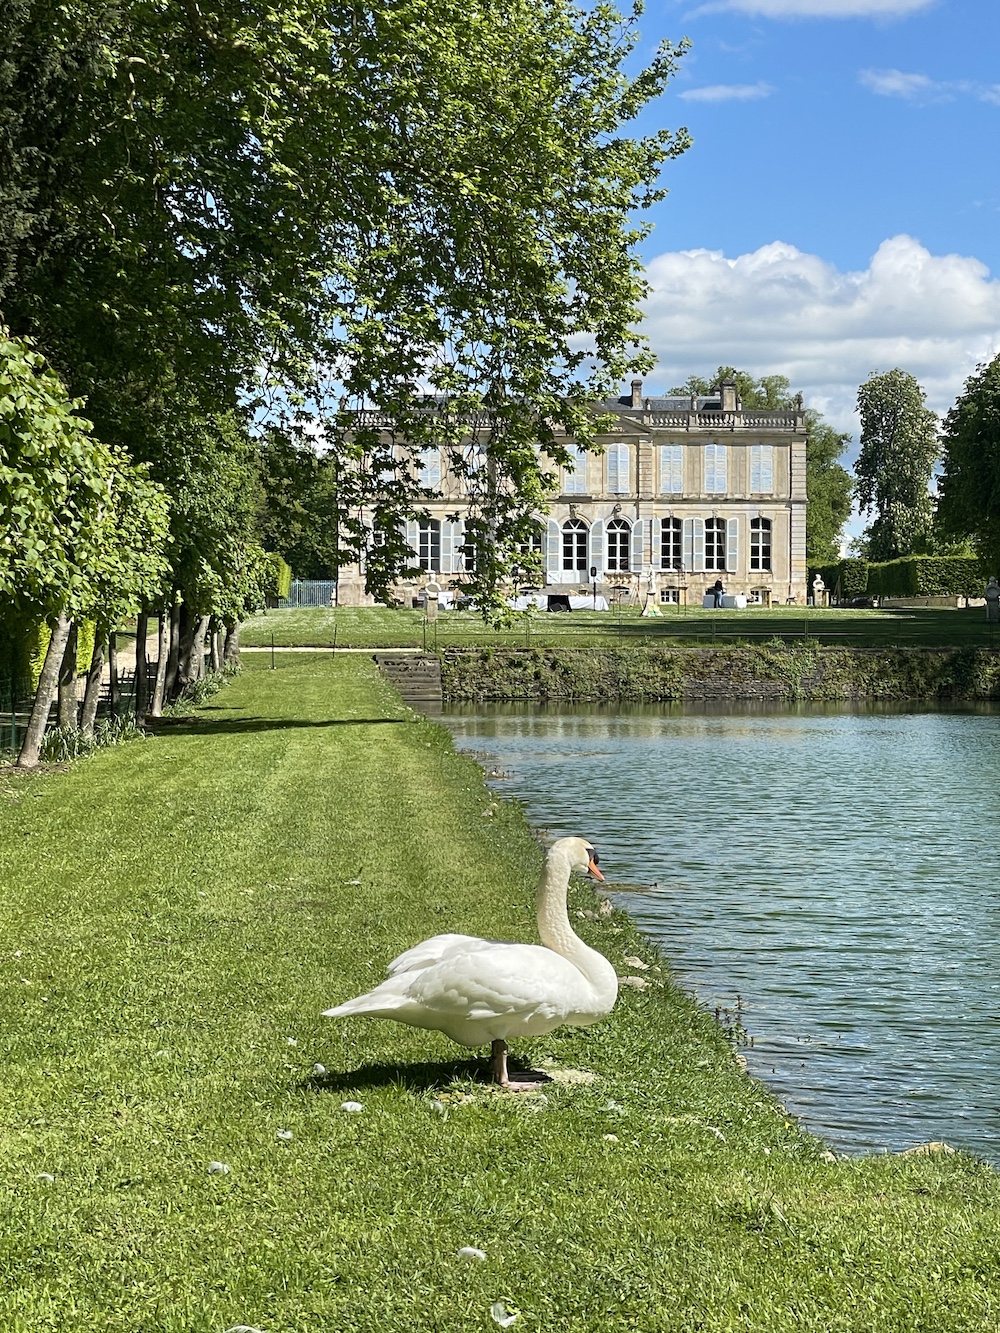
[
  {"x": 382, "y": 627},
  {"x": 176, "y": 914}
]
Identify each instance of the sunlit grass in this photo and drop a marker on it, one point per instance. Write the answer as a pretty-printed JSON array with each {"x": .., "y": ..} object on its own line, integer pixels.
[
  {"x": 176, "y": 915},
  {"x": 382, "y": 627}
]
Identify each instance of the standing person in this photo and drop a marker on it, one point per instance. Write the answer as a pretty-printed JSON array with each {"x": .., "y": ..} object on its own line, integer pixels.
[
  {"x": 992, "y": 595},
  {"x": 717, "y": 591}
]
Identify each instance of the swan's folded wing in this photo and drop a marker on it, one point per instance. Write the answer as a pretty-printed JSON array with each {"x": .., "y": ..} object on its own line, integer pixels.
[
  {"x": 435, "y": 950},
  {"x": 500, "y": 980}
]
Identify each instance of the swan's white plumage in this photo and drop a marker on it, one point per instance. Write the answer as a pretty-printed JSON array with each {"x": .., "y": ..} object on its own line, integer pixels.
[{"x": 478, "y": 991}]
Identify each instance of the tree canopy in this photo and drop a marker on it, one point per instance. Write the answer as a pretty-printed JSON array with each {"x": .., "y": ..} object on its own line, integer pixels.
[
  {"x": 899, "y": 448},
  {"x": 969, "y": 487}
]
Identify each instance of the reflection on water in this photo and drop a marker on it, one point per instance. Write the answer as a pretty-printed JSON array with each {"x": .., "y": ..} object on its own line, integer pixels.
[{"x": 835, "y": 868}]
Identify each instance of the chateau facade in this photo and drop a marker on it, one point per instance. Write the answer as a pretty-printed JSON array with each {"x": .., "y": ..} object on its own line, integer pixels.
[{"x": 687, "y": 491}]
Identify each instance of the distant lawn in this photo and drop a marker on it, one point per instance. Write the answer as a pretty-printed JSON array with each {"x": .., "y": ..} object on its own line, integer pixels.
[
  {"x": 380, "y": 627},
  {"x": 175, "y": 915}
]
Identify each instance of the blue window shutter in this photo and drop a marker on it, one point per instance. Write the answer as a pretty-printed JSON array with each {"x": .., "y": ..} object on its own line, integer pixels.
[
  {"x": 553, "y": 552},
  {"x": 597, "y": 546},
  {"x": 732, "y": 544},
  {"x": 698, "y": 562},
  {"x": 767, "y": 468},
  {"x": 755, "y": 468},
  {"x": 430, "y": 473}
]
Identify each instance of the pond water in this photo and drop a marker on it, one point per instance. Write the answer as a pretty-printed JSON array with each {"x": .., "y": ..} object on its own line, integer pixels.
[{"x": 834, "y": 868}]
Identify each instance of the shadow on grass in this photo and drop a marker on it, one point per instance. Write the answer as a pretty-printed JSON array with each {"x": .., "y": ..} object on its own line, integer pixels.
[
  {"x": 236, "y": 725},
  {"x": 419, "y": 1078}
]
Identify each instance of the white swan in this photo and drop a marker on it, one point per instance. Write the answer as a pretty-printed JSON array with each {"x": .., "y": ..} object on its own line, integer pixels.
[{"x": 478, "y": 991}]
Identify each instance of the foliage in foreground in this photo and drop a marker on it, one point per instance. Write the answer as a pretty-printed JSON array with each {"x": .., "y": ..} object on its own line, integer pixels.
[{"x": 161, "y": 997}]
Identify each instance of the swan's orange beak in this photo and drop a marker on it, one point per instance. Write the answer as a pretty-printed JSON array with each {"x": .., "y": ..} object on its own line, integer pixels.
[{"x": 595, "y": 872}]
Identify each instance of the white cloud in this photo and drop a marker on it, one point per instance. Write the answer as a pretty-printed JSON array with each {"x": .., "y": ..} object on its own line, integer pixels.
[
  {"x": 781, "y": 311},
  {"x": 837, "y": 9},
  {"x": 728, "y": 92},
  {"x": 894, "y": 83}
]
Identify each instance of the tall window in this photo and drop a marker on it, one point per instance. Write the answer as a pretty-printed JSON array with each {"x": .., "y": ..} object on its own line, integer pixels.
[
  {"x": 761, "y": 469},
  {"x": 760, "y": 543},
  {"x": 619, "y": 538},
  {"x": 429, "y": 545},
  {"x": 619, "y": 480},
  {"x": 530, "y": 553},
  {"x": 574, "y": 539},
  {"x": 670, "y": 543},
  {"x": 715, "y": 543},
  {"x": 430, "y": 469},
  {"x": 715, "y": 469},
  {"x": 671, "y": 469},
  {"x": 575, "y": 472}
]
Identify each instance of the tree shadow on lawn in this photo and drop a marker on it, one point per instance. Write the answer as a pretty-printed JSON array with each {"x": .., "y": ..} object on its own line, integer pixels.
[
  {"x": 233, "y": 726},
  {"x": 431, "y": 1076}
]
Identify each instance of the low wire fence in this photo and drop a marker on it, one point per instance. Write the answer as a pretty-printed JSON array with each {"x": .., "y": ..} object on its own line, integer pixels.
[{"x": 17, "y": 697}]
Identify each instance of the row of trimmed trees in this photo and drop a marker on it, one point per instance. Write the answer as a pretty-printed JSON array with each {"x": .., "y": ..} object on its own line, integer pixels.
[{"x": 87, "y": 537}]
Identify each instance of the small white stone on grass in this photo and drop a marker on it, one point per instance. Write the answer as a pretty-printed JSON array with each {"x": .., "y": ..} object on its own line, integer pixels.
[
  {"x": 630, "y": 960},
  {"x": 283, "y": 1134},
  {"x": 243, "y": 1328},
  {"x": 610, "y": 1138},
  {"x": 218, "y": 1169},
  {"x": 439, "y": 1108},
  {"x": 319, "y": 1069},
  {"x": 46, "y": 1177},
  {"x": 352, "y": 1107},
  {"x": 501, "y": 1315},
  {"x": 291, "y": 1041},
  {"x": 637, "y": 983},
  {"x": 471, "y": 1255}
]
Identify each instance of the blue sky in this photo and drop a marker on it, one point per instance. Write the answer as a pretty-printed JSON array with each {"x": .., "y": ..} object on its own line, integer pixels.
[{"x": 838, "y": 213}]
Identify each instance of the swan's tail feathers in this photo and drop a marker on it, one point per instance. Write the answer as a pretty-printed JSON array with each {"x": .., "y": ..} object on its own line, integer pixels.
[{"x": 382, "y": 1002}]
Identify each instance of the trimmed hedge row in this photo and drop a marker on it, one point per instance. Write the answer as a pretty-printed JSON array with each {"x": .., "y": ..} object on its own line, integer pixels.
[{"x": 910, "y": 576}]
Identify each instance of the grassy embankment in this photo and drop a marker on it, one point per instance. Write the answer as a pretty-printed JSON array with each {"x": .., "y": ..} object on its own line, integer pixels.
[
  {"x": 176, "y": 913},
  {"x": 381, "y": 627}
]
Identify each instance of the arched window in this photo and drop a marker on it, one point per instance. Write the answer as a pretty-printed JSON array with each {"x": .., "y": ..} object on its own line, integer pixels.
[
  {"x": 429, "y": 544},
  {"x": 715, "y": 543},
  {"x": 619, "y": 539},
  {"x": 574, "y": 544},
  {"x": 760, "y": 543},
  {"x": 670, "y": 543},
  {"x": 619, "y": 470}
]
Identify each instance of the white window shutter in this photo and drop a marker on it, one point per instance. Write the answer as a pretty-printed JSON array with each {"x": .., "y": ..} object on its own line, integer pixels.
[
  {"x": 597, "y": 546},
  {"x": 687, "y": 543},
  {"x": 698, "y": 556},
  {"x": 766, "y": 468},
  {"x": 755, "y": 461},
  {"x": 656, "y": 543},
  {"x": 709, "y": 468},
  {"x": 449, "y": 546},
  {"x": 575, "y": 474},
  {"x": 732, "y": 544},
  {"x": 553, "y": 552},
  {"x": 635, "y": 551},
  {"x": 413, "y": 536},
  {"x": 430, "y": 472}
]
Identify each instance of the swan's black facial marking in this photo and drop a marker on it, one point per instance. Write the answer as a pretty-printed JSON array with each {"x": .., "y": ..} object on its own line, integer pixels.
[{"x": 592, "y": 854}]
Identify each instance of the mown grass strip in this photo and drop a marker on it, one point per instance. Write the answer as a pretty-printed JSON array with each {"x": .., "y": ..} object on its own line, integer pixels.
[
  {"x": 385, "y": 627},
  {"x": 178, "y": 912}
]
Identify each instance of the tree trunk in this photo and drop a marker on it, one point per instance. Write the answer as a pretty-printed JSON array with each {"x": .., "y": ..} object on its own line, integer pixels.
[
  {"x": 173, "y": 654},
  {"x": 162, "y": 653},
  {"x": 185, "y": 649},
  {"x": 198, "y": 647},
  {"x": 231, "y": 652},
  {"x": 215, "y": 638},
  {"x": 114, "y": 687},
  {"x": 67, "y": 710},
  {"x": 92, "y": 694},
  {"x": 48, "y": 683},
  {"x": 141, "y": 676}
]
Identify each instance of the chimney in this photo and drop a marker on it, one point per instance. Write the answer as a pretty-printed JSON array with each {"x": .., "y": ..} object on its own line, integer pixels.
[
  {"x": 728, "y": 396},
  {"x": 637, "y": 393}
]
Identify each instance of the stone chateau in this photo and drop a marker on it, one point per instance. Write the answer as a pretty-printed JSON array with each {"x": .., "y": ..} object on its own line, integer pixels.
[{"x": 687, "y": 491}]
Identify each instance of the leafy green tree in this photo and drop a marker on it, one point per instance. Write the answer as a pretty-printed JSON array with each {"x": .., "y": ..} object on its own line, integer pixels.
[
  {"x": 899, "y": 448},
  {"x": 969, "y": 488},
  {"x": 339, "y": 208},
  {"x": 828, "y": 483},
  {"x": 299, "y": 512}
]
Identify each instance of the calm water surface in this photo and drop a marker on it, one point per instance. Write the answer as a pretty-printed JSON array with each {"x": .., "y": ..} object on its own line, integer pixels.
[{"x": 836, "y": 869}]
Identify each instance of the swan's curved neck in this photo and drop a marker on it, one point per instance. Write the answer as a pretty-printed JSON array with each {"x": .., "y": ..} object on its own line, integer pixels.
[{"x": 554, "y": 929}]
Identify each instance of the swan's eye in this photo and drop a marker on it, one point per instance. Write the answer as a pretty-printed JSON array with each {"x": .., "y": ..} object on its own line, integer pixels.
[{"x": 592, "y": 853}]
